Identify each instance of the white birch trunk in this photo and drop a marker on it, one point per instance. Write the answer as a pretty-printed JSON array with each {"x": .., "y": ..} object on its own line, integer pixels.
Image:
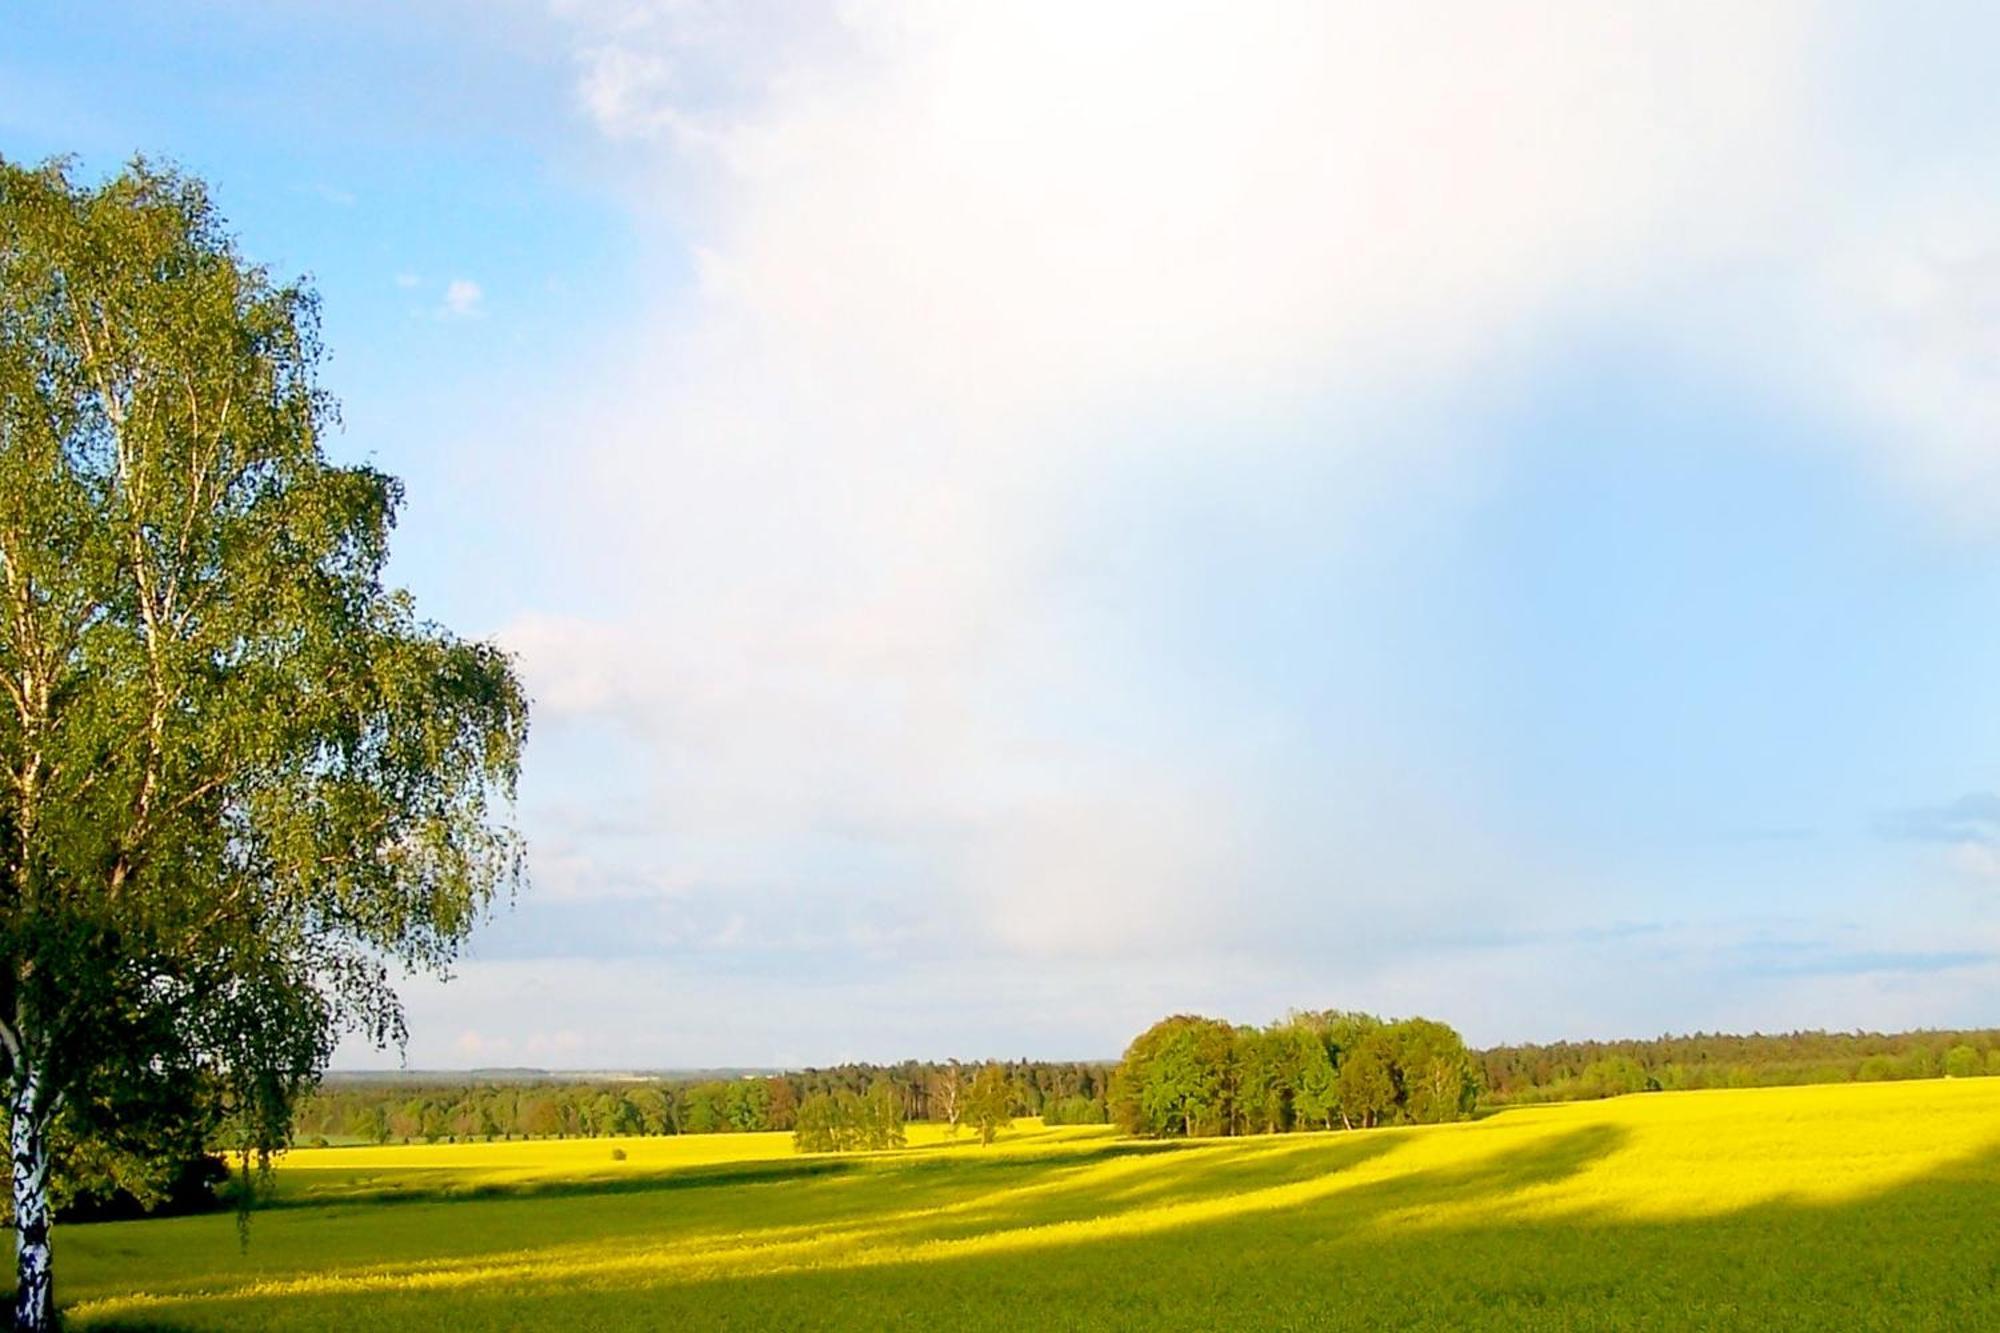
[{"x": 34, "y": 1294}]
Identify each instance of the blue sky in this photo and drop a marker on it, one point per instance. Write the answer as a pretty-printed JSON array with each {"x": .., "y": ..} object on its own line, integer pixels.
[{"x": 1019, "y": 520}]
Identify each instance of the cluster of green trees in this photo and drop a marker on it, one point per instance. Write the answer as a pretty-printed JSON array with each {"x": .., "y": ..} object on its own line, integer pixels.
[
  {"x": 1075, "y": 1111},
  {"x": 1574, "y": 1070},
  {"x": 1195, "y": 1076},
  {"x": 432, "y": 1110},
  {"x": 844, "y": 1122}
]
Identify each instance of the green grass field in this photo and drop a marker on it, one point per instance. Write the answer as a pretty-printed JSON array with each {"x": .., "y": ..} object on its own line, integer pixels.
[{"x": 1846, "y": 1207}]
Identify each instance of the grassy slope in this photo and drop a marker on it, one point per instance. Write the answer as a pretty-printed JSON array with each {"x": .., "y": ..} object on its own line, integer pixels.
[{"x": 1850, "y": 1207}]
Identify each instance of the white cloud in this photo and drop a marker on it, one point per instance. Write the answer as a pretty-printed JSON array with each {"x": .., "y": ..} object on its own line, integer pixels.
[
  {"x": 995, "y": 210},
  {"x": 463, "y": 298},
  {"x": 1010, "y": 207},
  {"x": 858, "y": 625},
  {"x": 1912, "y": 305},
  {"x": 624, "y": 91},
  {"x": 954, "y": 263}
]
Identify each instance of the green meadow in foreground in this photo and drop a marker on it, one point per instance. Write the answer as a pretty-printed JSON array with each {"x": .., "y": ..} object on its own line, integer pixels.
[{"x": 1851, "y": 1206}]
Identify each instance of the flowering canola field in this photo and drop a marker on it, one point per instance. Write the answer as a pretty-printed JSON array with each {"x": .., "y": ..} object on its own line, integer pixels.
[{"x": 1844, "y": 1207}]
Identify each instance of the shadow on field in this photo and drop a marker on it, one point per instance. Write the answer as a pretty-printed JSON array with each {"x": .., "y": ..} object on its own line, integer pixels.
[
  {"x": 386, "y": 1189},
  {"x": 411, "y": 1186},
  {"x": 1220, "y": 1236}
]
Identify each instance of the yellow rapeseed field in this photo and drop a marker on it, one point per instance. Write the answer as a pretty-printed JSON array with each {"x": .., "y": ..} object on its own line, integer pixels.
[{"x": 1869, "y": 1205}]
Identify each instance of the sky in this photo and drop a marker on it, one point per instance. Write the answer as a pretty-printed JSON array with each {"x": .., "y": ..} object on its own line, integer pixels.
[{"x": 1020, "y": 519}]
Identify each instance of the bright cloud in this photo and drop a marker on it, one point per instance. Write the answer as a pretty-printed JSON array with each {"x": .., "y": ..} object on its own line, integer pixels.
[
  {"x": 463, "y": 298},
  {"x": 1012, "y": 207},
  {"x": 988, "y": 344},
  {"x": 955, "y": 263}
]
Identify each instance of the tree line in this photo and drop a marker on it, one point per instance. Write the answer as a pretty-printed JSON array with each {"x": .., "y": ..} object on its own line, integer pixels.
[
  {"x": 1320, "y": 1069},
  {"x": 981, "y": 1102},
  {"x": 432, "y": 1111},
  {"x": 1311, "y": 1070},
  {"x": 1575, "y": 1070}
]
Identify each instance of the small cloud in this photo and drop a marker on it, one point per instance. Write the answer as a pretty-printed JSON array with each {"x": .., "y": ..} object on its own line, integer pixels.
[
  {"x": 1981, "y": 860},
  {"x": 1882, "y": 960},
  {"x": 462, "y": 299},
  {"x": 332, "y": 194},
  {"x": 1765, "y": 833},
  {"x": 1973, "y": 818},
  {"x": 624, "y": 92},
  {"x": 476, "y": 1046},
  {"x": 408, "y": 280}
]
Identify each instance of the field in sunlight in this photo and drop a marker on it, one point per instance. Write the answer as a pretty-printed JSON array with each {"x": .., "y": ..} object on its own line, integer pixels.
[{"x": 1853, "y": 1206}]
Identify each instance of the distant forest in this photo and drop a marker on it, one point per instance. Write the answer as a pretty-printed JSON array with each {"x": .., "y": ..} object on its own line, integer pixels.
[
  {"x": 434, "y": 1108},
  {"x": 1579, "y": 1070}
]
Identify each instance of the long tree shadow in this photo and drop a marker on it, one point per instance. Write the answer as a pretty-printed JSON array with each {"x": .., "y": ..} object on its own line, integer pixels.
[
  {"x": 437, "y": 1185},
  {"x": 434, "y": 1185},
  {"x": 1224, "y": 1171}
]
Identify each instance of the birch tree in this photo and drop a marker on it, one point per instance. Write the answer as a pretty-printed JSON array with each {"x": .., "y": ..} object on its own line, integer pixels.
[
  {"x": 947, "y": 1087},
  {"x": 242, "y": 783}
]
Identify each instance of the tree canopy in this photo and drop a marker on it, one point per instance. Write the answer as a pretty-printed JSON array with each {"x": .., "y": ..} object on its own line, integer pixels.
[
  {"x": 847, "y": 1122},
  {"x": 1191, "y": 1076},
  {"x": 989, "y": 1102},
  {"x": 241, "y": 780}
]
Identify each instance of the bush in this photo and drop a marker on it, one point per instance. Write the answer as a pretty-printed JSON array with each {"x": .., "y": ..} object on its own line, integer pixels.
[
  {"x": 1074, "y": 1111},
  {"x": 1616, "y": 1075},
  {"x": 617, "y": 1154},
  {"x": 192, "y": 1187}
]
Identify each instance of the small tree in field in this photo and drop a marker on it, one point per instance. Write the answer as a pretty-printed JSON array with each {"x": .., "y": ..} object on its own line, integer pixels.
[
  {"x": 989, "y": 1102},
  {"x": 1317, "y": 1099},
  {"x": 239, "y": 777},
  {"x": 818, "y": 1127},
  {"x": 947, "y": 1093},
  {"x": 881, "y": 1118},
  {"x": 846, "y": 1122}
]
